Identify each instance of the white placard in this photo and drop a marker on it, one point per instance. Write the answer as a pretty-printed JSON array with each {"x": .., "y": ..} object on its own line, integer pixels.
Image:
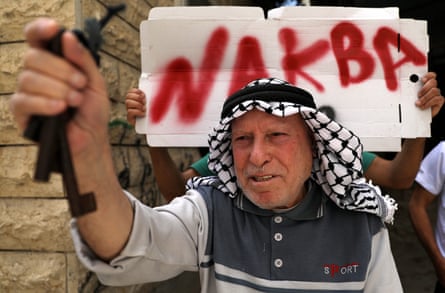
[{"x": 359, "y": 61}]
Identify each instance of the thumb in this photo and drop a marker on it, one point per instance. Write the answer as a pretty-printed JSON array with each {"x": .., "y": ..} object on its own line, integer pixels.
[{"x": 77, "y": 54}]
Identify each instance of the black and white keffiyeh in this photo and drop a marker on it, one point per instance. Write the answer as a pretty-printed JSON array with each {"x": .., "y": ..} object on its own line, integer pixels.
[{"x": 337, "y": 165}]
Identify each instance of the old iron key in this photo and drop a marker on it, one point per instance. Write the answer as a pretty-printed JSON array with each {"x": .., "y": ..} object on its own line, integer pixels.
[{"x": 50, "y": 131}]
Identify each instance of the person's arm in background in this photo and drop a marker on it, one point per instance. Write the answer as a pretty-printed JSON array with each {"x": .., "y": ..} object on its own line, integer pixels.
[
  {"x": 171, "y": 182},
  {"x": 418, "y": 204},
  {"x": 399, "y": 173}
]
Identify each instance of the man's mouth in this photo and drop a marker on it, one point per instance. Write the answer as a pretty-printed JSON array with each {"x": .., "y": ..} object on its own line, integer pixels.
[{"x": 262, "y": 178}]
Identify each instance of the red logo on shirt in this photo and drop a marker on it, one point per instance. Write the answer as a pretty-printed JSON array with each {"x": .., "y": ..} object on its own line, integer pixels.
[{"x": 333, "y": 269}]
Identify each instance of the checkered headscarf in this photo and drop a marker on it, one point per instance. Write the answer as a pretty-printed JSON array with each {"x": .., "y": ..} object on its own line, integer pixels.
[{"x": 337, "y": 165}]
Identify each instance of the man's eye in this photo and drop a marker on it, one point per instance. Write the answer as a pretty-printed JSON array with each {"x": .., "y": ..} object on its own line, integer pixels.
[
  {"x": 278, "y": 134},
  {"x": 240, "y": 138}
]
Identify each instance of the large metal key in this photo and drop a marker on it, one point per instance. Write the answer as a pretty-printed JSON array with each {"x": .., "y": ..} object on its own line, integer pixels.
[{"x": 50, "y": 132}]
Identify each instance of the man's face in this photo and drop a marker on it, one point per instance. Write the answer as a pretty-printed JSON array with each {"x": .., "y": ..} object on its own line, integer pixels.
[{"x": 272, "y": 157}]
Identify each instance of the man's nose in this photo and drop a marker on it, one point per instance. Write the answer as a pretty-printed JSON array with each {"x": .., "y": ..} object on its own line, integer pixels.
[{"x": 260, "y": 153}]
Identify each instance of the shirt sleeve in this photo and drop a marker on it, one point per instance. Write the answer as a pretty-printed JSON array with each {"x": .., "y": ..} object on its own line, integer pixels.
[
  {"x": 201, "y": 166},
  {"x": 367, "y": 159},
  {"x": 431, "y": 174},
  {"x": 164, "y": 242},
  {"x": 382, "y": 272}
]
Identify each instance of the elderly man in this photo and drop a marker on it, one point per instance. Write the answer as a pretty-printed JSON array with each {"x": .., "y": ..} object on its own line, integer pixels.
[{"x": 288, "y": 210}]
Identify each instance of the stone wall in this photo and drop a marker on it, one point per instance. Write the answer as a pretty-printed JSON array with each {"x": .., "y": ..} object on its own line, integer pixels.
[{"x": 36, "y": 252}]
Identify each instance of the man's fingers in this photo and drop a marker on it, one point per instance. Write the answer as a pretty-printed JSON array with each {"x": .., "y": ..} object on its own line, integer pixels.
[
  {"x": 32, "y": 83},
  {"x": 38, "y": 60},
  {"x": 136, "y": 95},
  {"x": 23, "y": 107},
  {"x": 136, "y": 91},
  {"x": 428, "y": 97},
  {"x": 78, "y": 55},
  {"x": 132, "y": 104},
  {"x": 428, "y": 76},
  {"x": 38, "y": 32},
  {"x": 133, "y": 114}
]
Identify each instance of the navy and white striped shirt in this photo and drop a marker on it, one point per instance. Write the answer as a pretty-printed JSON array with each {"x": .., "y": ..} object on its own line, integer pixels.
[{"x": 238, "y": 247}]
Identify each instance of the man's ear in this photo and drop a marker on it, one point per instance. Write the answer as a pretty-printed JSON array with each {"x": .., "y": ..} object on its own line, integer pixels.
[
  {"x": 313, "y": 144},
  {"x": 314, "y": 148}
]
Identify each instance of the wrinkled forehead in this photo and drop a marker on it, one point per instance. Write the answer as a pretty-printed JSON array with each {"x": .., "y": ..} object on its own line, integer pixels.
[{"x": 259, "y": 122}]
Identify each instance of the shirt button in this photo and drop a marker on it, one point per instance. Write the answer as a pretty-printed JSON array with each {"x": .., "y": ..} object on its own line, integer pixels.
[
  {"x": 278, "y": 219},
  {"x": 278, "y": 236},
  {"x": 278, "y": 262}
]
